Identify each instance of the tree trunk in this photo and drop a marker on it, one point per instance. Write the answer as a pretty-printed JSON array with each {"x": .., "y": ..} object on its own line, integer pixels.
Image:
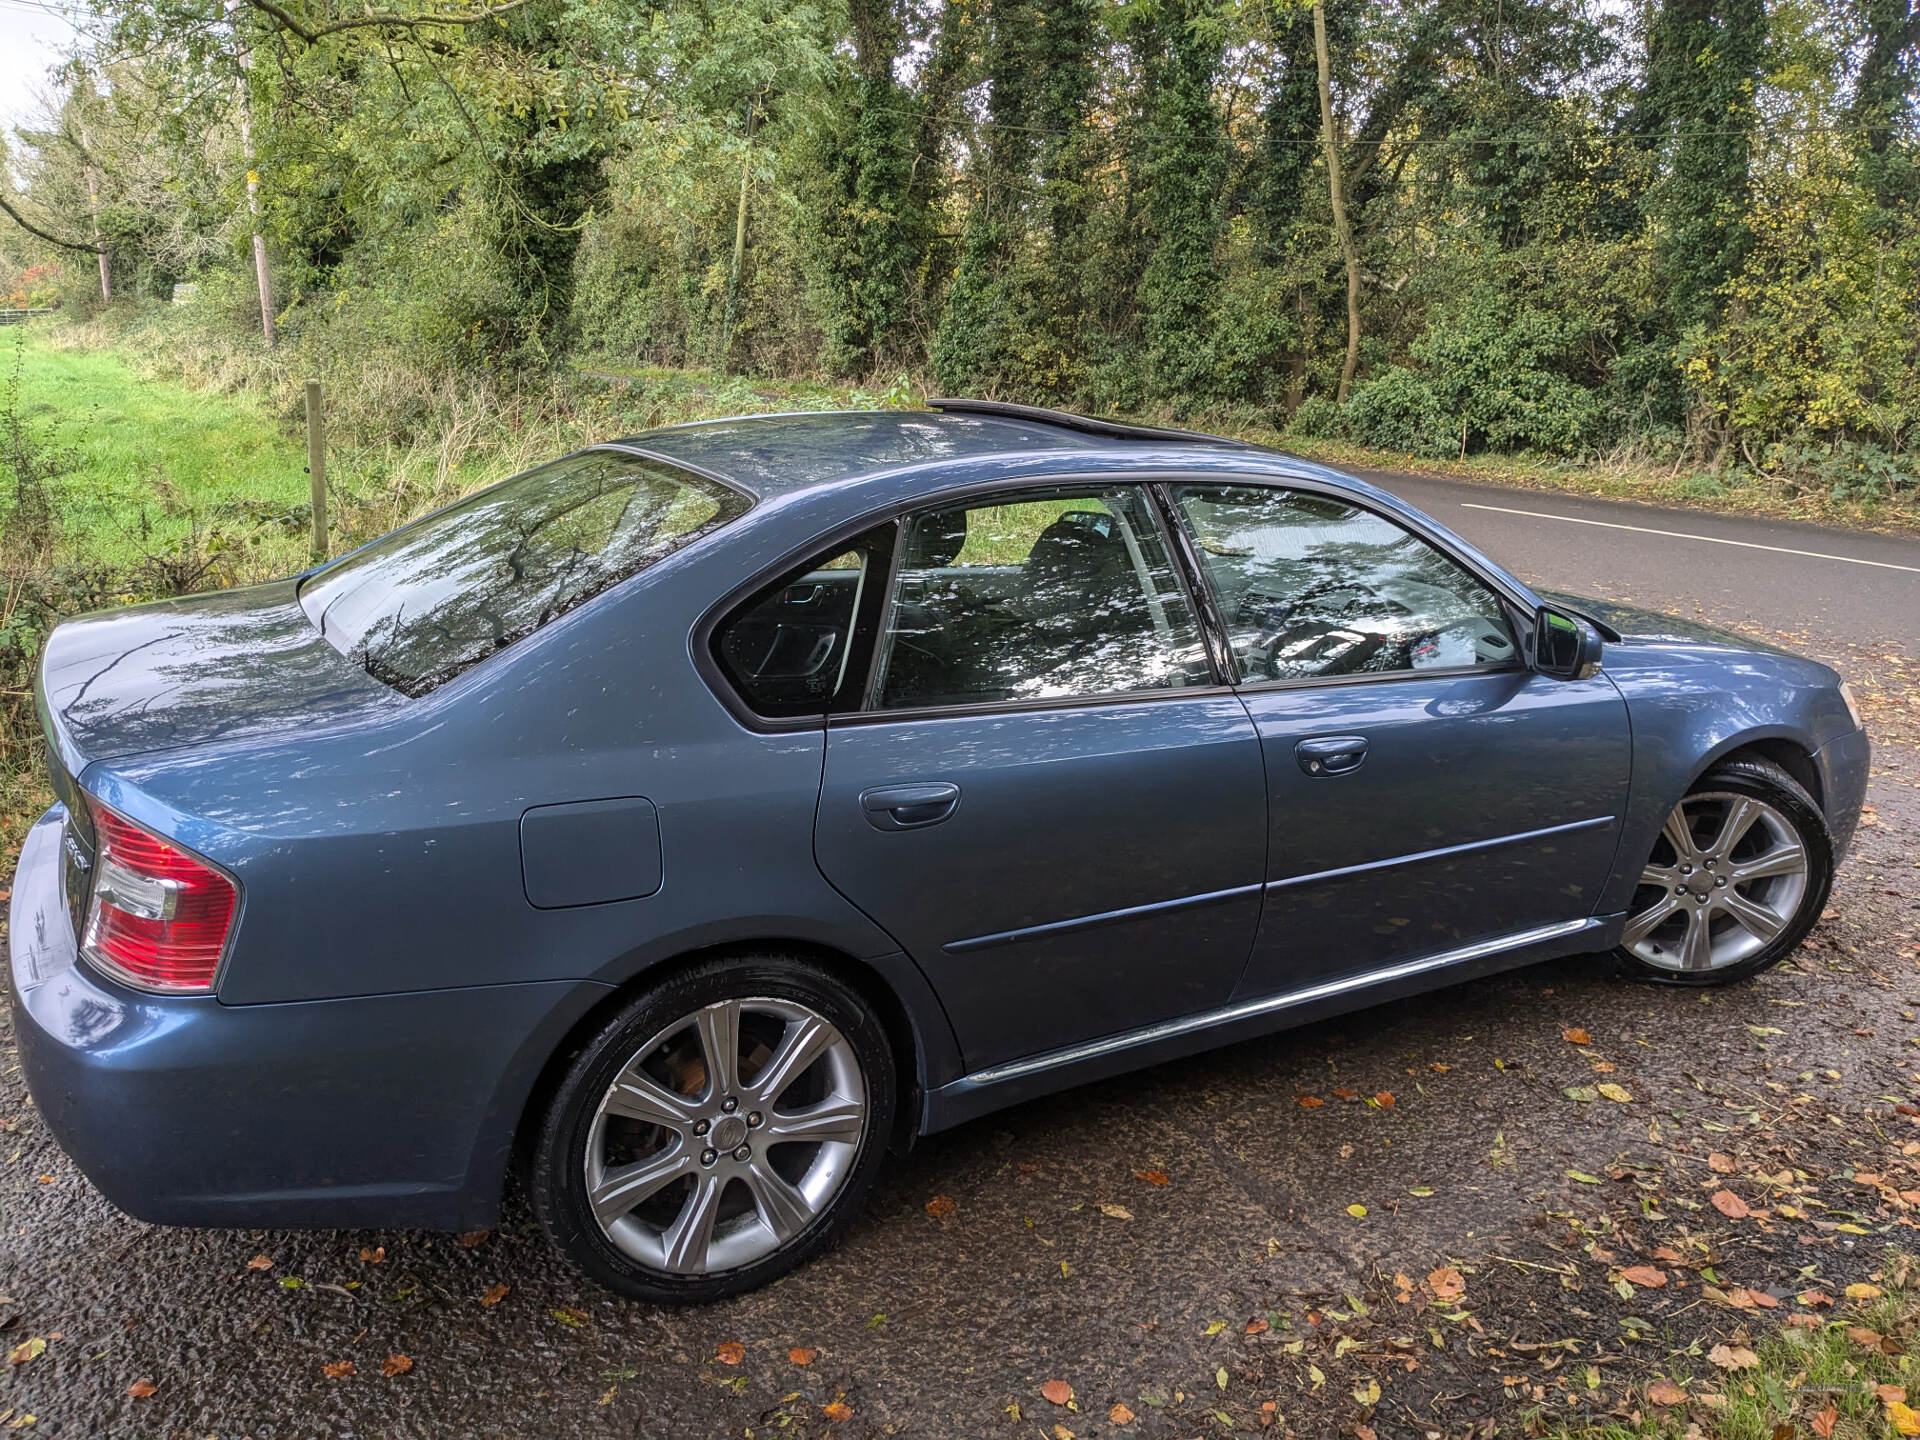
[
  {"x": 93, "y": 199},
  {"x": 262, "y": 272},
  {"x": 1338, "y": 191}
]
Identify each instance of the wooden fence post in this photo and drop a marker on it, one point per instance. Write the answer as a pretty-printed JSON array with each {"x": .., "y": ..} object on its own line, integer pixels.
[{"x": 317, "y": 466}]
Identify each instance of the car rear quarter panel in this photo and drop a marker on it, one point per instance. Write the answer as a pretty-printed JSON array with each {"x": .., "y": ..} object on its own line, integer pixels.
[{"x": 1691, "y": 705}]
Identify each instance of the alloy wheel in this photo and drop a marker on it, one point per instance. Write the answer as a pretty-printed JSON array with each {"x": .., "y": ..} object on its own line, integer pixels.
[
  {"x": 725, "y": 1136},
  {"x": 1726, "y": 877}
]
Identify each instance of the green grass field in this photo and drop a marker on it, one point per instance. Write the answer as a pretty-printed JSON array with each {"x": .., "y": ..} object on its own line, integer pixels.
[{"x": 147, "y": 461}]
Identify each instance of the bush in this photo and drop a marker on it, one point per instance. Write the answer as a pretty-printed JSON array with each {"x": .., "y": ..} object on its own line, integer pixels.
[
  {"x": 1398, "y": 410},
  {"x": 1317, "y": 418},
  {"x": 1496, "y": 368}
]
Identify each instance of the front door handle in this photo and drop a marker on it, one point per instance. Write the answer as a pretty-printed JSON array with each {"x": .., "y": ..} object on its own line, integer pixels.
[
  {"x": 1331, "y": 755},
  {"x": 909, "y": 807}
]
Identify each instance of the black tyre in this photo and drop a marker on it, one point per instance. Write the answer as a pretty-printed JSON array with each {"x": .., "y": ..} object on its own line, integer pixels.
[
  {"x": 717, "y": 1132},
  {"x": 1739, "y": 875}
]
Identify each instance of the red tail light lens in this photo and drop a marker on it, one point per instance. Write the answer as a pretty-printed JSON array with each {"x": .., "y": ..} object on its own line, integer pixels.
[{"x": 158, "y": 917}]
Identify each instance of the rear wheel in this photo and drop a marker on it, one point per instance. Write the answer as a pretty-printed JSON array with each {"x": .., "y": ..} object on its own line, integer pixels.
[
  {"x": 716, "y": 1132},
  {"x": 1737, "y": 878}
]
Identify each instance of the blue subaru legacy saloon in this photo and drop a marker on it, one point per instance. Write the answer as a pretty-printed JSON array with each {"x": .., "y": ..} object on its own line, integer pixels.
[{"x": 685, "y": 823}]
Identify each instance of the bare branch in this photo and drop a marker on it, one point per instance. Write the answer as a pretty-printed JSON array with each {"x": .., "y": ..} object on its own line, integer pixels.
[
  {"x": 32, "y": 229},
  {"x": 381, "y": 20}
]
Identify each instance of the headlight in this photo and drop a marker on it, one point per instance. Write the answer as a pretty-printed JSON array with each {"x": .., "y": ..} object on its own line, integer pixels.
[{"x": 1853, "y": 705}]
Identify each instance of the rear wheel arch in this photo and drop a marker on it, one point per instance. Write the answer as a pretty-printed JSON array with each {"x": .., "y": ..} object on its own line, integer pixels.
[{"x": 903, "y": 1040}]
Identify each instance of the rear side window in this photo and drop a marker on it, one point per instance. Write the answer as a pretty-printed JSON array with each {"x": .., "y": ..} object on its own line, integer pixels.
[{"x": 427, "y": 602}]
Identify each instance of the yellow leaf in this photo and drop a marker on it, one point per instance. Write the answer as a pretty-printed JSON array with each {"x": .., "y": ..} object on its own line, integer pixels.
[
  {"x": 1615, "y": 1092},
  {"x": 1220, "y": 1377},
  {"x": 1314, "y": 1374},
  {"x": 1215, "y": 1328},
  {"x": 1116, "y": 1212},
  {"x": 1358, "y": 1212},
  {"x": 1860, "y": 1290},
  {"x": 1367, "y": 1394},
  {"x": 27, "y": 1350},
  {"x": 1905, "y": 1419}
]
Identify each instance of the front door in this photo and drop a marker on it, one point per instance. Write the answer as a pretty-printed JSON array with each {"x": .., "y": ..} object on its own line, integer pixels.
[
  {"x": 1047, "y": 800},
  {"x": 1426, "y": 790}
]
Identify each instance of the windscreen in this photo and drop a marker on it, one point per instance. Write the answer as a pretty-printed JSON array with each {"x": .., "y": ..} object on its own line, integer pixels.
[{"x": 417, "y": 607}]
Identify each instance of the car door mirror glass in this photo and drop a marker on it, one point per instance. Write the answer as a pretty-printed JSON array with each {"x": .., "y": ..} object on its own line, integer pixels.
[{"x": 1565, "y": 647}]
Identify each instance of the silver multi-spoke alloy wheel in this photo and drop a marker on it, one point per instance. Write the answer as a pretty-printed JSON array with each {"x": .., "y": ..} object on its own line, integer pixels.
[
  {"x": 725, "y": 1136},
  {"x": 1727, "y": 877}
]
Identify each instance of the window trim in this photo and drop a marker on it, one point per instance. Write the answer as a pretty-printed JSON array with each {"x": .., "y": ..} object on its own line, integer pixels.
[
  {"x": 1036, "y": 489},
  {"x": 1500, "y": 593},
  {"x": 889, "y": 513}
]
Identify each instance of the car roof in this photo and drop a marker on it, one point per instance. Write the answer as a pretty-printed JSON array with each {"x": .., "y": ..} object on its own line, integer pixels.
[{"x": 780, "y": 454}]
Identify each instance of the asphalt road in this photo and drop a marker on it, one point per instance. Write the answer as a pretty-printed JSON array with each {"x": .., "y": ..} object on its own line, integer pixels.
[
  {"x": 1194, "y": 1243},
  {"x": 1767, "y": 574}
]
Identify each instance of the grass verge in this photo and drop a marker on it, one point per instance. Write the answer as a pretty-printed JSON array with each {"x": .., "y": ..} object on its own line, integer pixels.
[{"x": 1841, "y": 1378}]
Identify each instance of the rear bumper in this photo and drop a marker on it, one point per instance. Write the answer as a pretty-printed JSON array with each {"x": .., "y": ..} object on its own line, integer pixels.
[
  {"x": 1844, "y": 765},
  {"x": 394, "y": 1110}
]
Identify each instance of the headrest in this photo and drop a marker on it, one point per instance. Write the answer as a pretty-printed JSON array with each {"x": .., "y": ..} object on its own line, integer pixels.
[{"x": 936, "y": 540}]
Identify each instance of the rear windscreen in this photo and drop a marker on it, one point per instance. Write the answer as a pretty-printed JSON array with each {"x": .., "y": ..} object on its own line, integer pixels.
[{"x": 417, "y": 607}]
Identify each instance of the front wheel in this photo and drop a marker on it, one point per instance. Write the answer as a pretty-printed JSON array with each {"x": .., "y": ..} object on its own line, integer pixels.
[
  {"x": 1739, "y": 875},
  {"x": 716, "y": 1132}
]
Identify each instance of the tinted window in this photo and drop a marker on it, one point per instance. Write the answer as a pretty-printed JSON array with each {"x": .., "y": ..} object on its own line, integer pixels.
[
  {"x": 1312, "y": 586},
  {"x": 786, "y": 650},
  {"x": 1037, "y": 599},
  {"x": 426, "y": 602}
]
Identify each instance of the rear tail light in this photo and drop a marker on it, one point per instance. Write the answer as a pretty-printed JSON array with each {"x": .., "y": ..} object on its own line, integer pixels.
[{"x": 158, "y": 917}]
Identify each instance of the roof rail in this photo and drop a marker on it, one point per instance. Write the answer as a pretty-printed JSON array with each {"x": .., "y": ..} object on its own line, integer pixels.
[{"x": 1089, "y": 424}]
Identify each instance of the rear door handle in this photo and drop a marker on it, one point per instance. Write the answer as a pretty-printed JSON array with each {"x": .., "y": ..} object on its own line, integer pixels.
[
  {"x": 909, "y": 807},
  {"x": 1331, "y": 755}
]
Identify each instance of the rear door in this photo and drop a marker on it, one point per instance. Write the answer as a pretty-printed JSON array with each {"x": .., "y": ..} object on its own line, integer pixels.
[
  {"x": 1048, "y": 799},
  {"x": 1427, "y": 791}
]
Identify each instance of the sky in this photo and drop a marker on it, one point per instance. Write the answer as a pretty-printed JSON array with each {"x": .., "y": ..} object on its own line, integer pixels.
[{"x": 33, "y": 36}]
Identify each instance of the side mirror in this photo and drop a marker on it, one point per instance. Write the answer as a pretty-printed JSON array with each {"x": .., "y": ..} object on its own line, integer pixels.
[{"x": 1565, "y": 647}]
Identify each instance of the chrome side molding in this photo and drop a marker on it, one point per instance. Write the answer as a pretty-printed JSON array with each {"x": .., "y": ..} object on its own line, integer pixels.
[{"x": 1272, "y": 1004}]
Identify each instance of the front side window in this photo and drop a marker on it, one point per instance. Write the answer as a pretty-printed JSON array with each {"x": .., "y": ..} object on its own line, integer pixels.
[
  {"x": 1036, "y": 599},
  {"x": 425, "y": 603},
  {"x": 1310, "y": 586}
]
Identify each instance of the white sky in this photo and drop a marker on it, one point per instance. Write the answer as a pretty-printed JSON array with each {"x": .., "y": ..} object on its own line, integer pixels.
[{"x": 34, "y": 35}]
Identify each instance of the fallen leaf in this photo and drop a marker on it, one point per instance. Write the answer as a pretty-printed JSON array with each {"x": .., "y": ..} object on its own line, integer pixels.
[
  {"x": 801, "y": 1355},
  {"x": 1616, "y": 1093},
  {"x": 1384, "y": 1099},
  {"x": 1438, "y": 1068},
  {"x": 839, "y": 1410},
  {"x": 1720, "y": 1163},
  {"x": 260, "y": 1262},
  {"x": 374, "y": 1255},
  {"x": 1905, "y": 1421},
  {"x": 1824, "y": 1422},
  {"x": 1861, "y": 1335},
  {"x": 569, "y": 1316},
  {"x": 1810, "y": 1298},
  {"x": 142, "y": 1389},
  {"x": 1647, "y": 1277},
  {"x": 1860, "y": 1290},
  {"x": 470, "y": 1238},
  {"x": 1665, "y": 1392},
  {"x": 1339, "y": 1094},
  {"x": 1583, "y": 1177},
  {"x": 1258, "y": 1325},
  {"x": 1120, "y": 1415},
  {"x": 338, "y": 1369},
  {"x": 27, "y": 1350},
  {"x": 1061, "y": 1432},
  {"x": 1358, "y": 1212},
  {"x": 1762, "y": 1299},
  {"x": 1604, "y": 1067},
  {"x": 1059, "y": 1392},
  {"x": 396, "y": 1365},
  {"x": 1152, "y": 1177},
  {"x": 730, "y": 1352},
  {"x": 1730, "y": 1205},
  {"x": 1576, "y": 1036},
  {"x": 1116, "y": 1212},
  {"x": 1733, "y": 1357},
  {"x": 1311, "y": 1102},
  {"x": 1447, "y": 1283},
  {"x": 1890, "y": 1394},
  {"x": 940, "y": 1206},
  {"x": 494, "y": 1294}
]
